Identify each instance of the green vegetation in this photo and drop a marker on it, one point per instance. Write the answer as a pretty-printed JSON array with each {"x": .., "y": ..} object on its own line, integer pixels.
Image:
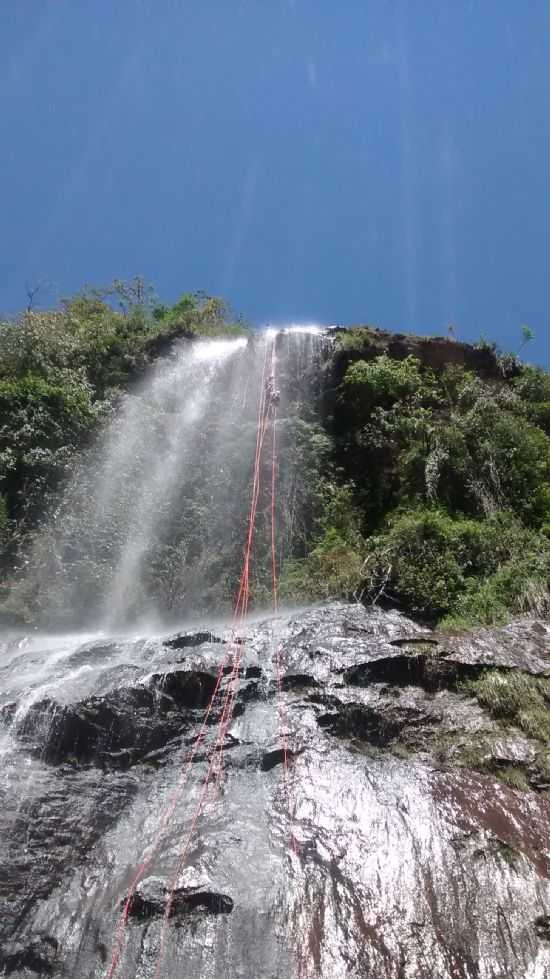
[
  {"x": 440, "y": 564},
  {"x": 384, "y": 381},
  {"x": 332, "y": 567},
  {"x": 516, "y": 698},
  {"x": 416, "y": 475},
  {"x": 527, "y": 334},
  {"x": 61, "y": 373},
  {"x": 445, "y": 451},
  {"x": 515, "y": 778},
  {"x": 477, "y": 756}
]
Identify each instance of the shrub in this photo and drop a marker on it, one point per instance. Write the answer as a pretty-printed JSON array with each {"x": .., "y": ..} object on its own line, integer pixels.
[
  {"x": 438, "y": 564},
  {"x": 422, "y": 559},
  {"x": 533, "y": 385},
  {"x": 516, "y": 698},
  {"x": 332, "y": 570},
  {"x": 383, "y": 380}
]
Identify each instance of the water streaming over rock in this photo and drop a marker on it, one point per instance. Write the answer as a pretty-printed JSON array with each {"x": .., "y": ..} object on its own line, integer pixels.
[
  {"x": 152, "y": 521},
  {"x": 381, "y": 856}
]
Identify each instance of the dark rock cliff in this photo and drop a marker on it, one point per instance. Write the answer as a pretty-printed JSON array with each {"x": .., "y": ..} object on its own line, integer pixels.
[
  {"x": 395, "y": 847},
  {"x": 434, "y": 352}
]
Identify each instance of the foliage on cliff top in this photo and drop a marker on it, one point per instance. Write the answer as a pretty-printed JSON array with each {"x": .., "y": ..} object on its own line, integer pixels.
[
  {"x": 60, "y": 373},
  {"x": 449, "y": 466},
  {"x": 419, "y": 478}
]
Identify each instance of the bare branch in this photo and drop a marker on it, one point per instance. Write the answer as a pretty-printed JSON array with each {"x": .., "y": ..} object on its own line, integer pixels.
[{"x": 32, "y": 293}]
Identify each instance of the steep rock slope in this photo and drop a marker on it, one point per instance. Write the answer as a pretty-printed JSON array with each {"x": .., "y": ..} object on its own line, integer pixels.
[{"x": 395, "y": 847}]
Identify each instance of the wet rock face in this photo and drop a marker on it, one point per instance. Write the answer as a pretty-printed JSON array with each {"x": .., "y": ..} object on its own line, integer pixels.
[
  {"x": 542, "y": 927},
  {"x": 153, "y": 898},
  {"x": 524, "y": 645},
  {"x": 278, "y": 756},
  {"x": 359, "y": 814},
  {"x": 379, "y": 726},
  {"x": 40, "y": 956},
  {"x": 118, "y": 729},
  {"x": 417, "y": 669},
  {"x": 187, "y": 640}
]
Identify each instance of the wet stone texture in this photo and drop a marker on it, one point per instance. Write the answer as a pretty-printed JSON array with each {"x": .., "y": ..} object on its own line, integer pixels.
[{"x": 352, "y": 819}]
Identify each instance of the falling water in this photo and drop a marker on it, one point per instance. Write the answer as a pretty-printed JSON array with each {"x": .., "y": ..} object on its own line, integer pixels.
[
  {"x": 400, "y": 868},
  {"x": 181, "y": 396},
  {"x": 152, "y": 521}
]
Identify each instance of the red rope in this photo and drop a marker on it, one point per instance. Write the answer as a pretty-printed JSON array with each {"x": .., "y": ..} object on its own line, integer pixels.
[
  {"x": 240, "y": 613},
  {"x": 281, "y": 706},
  {"x": 167, "y": 816}
]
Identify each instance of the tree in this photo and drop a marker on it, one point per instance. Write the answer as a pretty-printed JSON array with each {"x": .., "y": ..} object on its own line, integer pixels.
[
  {"x": 527, "y": 335},
  {"x": 32, "y": 293}
]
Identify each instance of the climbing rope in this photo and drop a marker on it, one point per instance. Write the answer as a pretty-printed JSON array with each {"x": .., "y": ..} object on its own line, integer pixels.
[
  {"x": 297, "y": 938},
  {"x": 239, "y": 617},
  {"x": 240, "y": 613},
  {"x": 267, "y": 411},
  {"x": 164, "y": 822},
  {"x": 281, "y": 704}
]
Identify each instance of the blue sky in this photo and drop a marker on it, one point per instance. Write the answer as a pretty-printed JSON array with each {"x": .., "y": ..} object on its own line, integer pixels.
[{"x": 381, "y": 161}]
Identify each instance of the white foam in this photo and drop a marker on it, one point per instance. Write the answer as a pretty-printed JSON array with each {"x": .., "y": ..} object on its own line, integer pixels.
[
  {"x": 217, "y": 349},
  {"x": 311, "y": 328}
]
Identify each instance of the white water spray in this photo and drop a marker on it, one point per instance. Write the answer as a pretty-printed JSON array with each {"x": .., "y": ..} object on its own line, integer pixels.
[{"x": 152, "y": 521}]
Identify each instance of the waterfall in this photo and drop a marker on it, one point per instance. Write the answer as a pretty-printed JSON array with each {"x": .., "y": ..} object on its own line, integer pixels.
[
  {"x": 304, "y": 794},
  {"x": 181, "y": 396},
  {"x": 151, "y": 523}
]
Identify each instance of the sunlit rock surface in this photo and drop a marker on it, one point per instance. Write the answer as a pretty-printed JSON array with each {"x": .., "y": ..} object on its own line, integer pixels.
[{"x": 382, "y": 853}]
